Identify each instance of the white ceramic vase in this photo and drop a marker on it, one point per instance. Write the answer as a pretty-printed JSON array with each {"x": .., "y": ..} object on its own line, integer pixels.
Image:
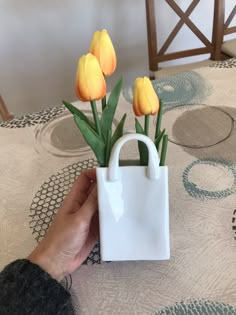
[{"x": 133, "y": 207}]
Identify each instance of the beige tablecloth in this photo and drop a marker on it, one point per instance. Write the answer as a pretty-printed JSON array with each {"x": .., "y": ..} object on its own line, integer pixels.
[{"x": 43, "y": 153}]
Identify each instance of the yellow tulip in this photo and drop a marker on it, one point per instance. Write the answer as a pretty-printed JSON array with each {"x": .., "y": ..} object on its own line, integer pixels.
[
  {"x": 145, "y": 101},
  {"x": 102, "y": 47},
  {"x": 90, "y": 83}
]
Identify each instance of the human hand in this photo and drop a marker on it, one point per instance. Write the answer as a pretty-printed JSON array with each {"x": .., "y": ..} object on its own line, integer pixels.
[{"x": 73, "y": 232}]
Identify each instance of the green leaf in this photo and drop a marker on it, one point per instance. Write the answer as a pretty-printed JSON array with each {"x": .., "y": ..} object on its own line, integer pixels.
[
  {"x": 110, "y": 109},
  {"x": 138, "y": 127},
  {"x": 158, "y": 139},
  {"x": 108, "y": 147},
  {"x": 92, "y": 139},
  {"x": 159, "y": 119},
  {"x": 143, "y": 151},
  {"x": 163, "y": 150},
  {"x": 104, "y": 102},
  {"x": 119, "y": 131},
  {"x": 75, "y": 111}
]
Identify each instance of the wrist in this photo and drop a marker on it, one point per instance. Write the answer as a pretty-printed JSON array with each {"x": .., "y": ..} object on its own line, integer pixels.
[{"x": 46, "y": 263}]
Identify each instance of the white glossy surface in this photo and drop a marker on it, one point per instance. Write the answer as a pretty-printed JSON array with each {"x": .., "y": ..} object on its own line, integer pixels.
[{"x": 133, "y": 208}]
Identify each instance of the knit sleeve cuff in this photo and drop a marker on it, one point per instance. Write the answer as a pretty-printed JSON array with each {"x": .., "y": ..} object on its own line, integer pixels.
[{"x": 31, "y": 289}]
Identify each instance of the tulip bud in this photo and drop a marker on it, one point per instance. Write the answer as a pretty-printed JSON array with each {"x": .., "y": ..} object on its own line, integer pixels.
[
  {"x": 102, "y": 47},
  {"x": 90, "y": 83},
  {"x": 145, "y": 101}
]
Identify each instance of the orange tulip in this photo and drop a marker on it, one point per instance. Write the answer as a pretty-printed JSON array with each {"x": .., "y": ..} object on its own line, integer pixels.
[
  {"x": 145, "y": 101},
  {"x": 90, "y": 83},
  {"x": 102, "y": 47}
]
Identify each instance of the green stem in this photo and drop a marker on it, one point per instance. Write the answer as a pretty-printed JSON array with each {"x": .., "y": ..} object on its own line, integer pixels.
[
  {"x": 157, "y": 141},
  {"x": 146, "y": 125},
  {"x": 95, "y": 116},
  {"x": 164, "y": 150},
  {"x": 159, "y": 118},
  {"x": 104, "y": 103}
]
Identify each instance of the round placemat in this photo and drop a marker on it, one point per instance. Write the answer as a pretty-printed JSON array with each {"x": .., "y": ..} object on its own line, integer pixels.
[
  {"x": 61, "y": 136},
  {"x": 198, "y": 126}
]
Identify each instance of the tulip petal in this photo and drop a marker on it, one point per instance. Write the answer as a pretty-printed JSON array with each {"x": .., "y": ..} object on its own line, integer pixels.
[
  {"x": 107, "y": 55},
  {"x": 136, "y": 98},
  {"x": 95, "y": 79},
  {"x": 81, "y": 84},
  {"x": 101, "y": 46},
  {"x": 95, "y": 46},
  {"x": 141, "y": 102},
  {"x": 151, "y": 95}
]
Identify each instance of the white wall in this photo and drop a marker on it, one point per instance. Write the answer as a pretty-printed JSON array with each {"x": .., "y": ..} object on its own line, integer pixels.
[{"x": 40, "y": 42}]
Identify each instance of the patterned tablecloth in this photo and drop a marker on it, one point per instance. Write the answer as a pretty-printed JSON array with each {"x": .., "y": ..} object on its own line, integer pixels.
[{"x": 43, "y": 153}]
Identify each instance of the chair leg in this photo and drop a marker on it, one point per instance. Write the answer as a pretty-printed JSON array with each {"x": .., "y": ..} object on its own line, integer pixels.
[
  {"x": 218, "y": 29},
  {"x": 151, "y": 37},
  {"x": 152, "y": 75},
  {"x": 4, "y": 111}
]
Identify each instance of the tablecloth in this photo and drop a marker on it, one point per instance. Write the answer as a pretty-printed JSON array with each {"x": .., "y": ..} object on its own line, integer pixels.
[{"x": 42, "y": 154}]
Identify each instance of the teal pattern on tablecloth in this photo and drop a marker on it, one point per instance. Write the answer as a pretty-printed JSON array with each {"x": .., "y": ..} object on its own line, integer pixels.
[{"x": 196, "y": 192}]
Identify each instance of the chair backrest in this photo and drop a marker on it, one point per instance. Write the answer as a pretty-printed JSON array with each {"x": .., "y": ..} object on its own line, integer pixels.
[
  {"x": 228, "y": 47},
  {"x": 227, "y": 28},
  {"x": 4, "y": 113},
  {"x": 159, "y": 55}
]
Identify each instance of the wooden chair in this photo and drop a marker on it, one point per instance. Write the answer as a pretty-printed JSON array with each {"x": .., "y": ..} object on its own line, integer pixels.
[
  {"x": 228, "y": 46},
  {"x": 4, "y": 113},
  {"x": 160, "y": 55}
]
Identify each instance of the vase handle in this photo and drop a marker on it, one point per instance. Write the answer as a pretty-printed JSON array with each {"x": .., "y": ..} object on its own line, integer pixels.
[{"x": 153, "y": 168}]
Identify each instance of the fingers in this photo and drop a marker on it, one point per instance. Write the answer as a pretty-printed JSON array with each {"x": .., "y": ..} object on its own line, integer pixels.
[
  {"x": 90, "y": 206},
  {"x": 90, "y": 189},
  {"x": 84, "y": 180},
  {"x": 91, "y": 240},
  {"x": 80, "y": 189}
]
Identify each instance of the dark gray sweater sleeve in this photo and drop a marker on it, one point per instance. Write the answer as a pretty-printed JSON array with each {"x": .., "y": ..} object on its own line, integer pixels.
[{"x": 26, "y": 289}]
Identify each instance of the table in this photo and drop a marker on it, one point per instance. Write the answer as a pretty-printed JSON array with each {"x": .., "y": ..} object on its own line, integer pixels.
[{"x": 42, "y": 154}]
